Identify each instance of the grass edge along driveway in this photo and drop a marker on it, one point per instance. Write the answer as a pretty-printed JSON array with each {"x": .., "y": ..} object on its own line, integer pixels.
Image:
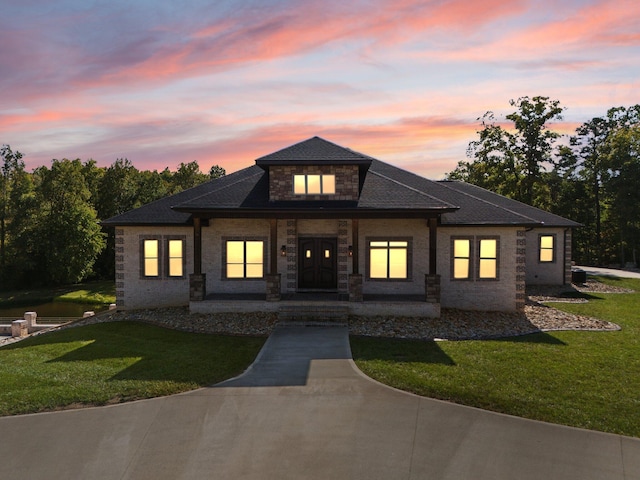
[
  {"x": 114, "y": 362},
  {"x": 581, "y": 379}
]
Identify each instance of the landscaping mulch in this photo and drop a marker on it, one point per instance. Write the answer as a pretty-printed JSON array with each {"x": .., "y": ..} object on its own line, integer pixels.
[{"x": 452, "y": 325}]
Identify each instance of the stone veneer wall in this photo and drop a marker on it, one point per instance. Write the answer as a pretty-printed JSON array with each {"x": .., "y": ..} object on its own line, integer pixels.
[
  {"x": 120, "y": 267},
  {"x": 568, "y": 243},
  {"x": 281, "y": 181},
  {"x": 521, "y": 269},
  {"x": 343, "y": 256},
  {"x": 292, "y": 255}
]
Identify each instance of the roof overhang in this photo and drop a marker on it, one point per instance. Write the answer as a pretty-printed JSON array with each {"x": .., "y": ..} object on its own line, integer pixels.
[{"x": 314, "y": 213}]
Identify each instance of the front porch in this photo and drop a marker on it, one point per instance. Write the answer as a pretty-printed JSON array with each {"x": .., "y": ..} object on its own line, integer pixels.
[{"x": 318, "y": 306}]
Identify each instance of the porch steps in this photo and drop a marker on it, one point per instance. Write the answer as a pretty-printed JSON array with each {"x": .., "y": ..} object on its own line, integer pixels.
[{"x": 313, "y": 313}]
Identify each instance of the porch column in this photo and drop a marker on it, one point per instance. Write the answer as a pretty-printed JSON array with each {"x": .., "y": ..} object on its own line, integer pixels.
[
  {"x": 273, "y": 277},
  {"x": 432, "y": 279},
  {"x": 355, "y": 279},
  {"x": 197, "y": 280},
  {"x": 433, "y": 245}
]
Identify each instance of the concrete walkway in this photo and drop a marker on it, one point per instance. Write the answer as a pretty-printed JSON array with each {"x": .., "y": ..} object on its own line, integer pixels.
[{"x": 303, "y": 411}]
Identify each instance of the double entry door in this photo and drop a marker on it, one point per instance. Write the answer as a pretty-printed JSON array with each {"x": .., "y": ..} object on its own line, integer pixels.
[{"x": 317, "y": 263}]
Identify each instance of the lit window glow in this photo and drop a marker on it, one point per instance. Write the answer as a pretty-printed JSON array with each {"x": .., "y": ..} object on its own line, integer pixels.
[
  {"x": 546, "y": 248},
  {"x": 245, "y": 259},
  {"x": 315, "y": 184},
  {"x": 175, "y": 258},
  {"x": 388, "y": 259},
  {"x": 151, "y": 258},
  {"x": 488, "y": 263},
  {"x": 461, "y": 258}
]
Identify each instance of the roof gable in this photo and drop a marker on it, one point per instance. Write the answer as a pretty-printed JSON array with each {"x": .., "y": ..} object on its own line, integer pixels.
[{"x": 315, "y": 150}]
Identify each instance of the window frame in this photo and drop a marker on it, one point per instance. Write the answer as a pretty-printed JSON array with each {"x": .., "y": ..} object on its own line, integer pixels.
[
  {"x": 478, "y": 242},
  {"x": 470, "y": 259},
  {"x": 143, "y": 257},
  {"x": 409, "y": 258},
  {"x": 553, "y": 247},
  {"x": 174, "y": 238},
  {"x": 306, "y": 183},
  {"x": 244, "y": 240}
]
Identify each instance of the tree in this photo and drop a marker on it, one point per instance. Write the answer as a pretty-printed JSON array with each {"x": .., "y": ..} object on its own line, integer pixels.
[
  {"x": 117, "y": 190},
  {"x": 623, "y": 158},
  {"x": 64, "y": 237},
  {"x": 511, "y": 162},
  {"x": 590, "y": 150},
  {"x": 216, "y": 171},
  {"x": 12, "y": 165},
  {"x": 187, "y": 176}
]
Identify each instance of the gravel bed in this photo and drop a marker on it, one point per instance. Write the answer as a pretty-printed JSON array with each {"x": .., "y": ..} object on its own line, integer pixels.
[{"x": 452, "y": 325}]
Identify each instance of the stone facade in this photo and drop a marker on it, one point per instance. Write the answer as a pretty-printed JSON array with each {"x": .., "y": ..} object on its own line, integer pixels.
[{"x": 281, "y": 181}]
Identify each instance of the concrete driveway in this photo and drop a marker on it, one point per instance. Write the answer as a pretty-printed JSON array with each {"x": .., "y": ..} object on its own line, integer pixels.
[{"x": 303, "y": 411}]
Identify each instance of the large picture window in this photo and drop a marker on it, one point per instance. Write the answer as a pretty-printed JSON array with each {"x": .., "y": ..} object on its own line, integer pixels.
[
  {"x": 244, "y": 259},
  {"x": 389, "y": 259},
  {"x": 547, "y": 248},
  {"x": 314, "y": 184}
]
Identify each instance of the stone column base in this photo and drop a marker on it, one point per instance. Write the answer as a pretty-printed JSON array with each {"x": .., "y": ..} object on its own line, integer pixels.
[
  {"x": 19, "y": 328},
  {"x": 355, "y": 287},
  {"x": 432, "y": 288},
  {"x": 197, "y": 287},
  {"x": 273, "y": 287}
]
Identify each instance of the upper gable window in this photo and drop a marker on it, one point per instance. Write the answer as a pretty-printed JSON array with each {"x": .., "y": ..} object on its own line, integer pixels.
[{"x": 314, "y": 184}]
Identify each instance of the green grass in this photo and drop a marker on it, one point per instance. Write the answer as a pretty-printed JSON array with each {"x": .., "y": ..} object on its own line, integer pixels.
[
  {"x": 583, "y": 379},
  {"x": 115, "y": 362},
  {"x": 90, "y": 293}
]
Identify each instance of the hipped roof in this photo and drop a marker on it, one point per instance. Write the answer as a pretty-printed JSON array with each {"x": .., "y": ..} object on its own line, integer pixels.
[{"x": 386, "y": 191}]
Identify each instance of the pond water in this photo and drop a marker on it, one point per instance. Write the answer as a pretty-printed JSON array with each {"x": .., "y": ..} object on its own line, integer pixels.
[{"x": 52, "y": 309}]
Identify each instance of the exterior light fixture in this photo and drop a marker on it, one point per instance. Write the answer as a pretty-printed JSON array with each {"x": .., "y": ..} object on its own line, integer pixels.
[
  {"x": 350, "y": 251},
  {"x": 283, "y": 251}
]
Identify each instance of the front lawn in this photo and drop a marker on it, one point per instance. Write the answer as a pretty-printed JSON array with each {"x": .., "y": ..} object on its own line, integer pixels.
[
  {"x": 90, "y": 293},
  {"x": 115, "y": 362},
  {"x": 583, "y": 379}
]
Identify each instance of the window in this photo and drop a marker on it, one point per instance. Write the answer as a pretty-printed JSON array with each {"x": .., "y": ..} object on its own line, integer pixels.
[
  {"x": 461, "y": 258},
  {"x": 151, "y": 258},
  {"x": 244, "y": 259},
  {"x": 314, "y": 184},
  {"x": 488, "y": 258},
  {"x": 547, "y": 248},
  {"x": 388, "y": 259},
  {"x": 176, "y": 257}
]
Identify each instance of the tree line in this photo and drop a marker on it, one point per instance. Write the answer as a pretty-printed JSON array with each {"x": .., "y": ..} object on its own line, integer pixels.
[
  {"x": 50, "y": 231},
  {"x": 592, "y": 177}
]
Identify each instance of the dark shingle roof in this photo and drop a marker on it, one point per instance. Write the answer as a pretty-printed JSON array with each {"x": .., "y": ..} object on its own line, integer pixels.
[
  {"x": 385, "y": 188},
  {"x": 312, "y": 151},
  {"x": 479, "y": 206}
]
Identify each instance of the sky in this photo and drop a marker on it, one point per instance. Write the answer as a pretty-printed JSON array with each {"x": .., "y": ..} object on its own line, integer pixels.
[{"x": 224, "y": 82}]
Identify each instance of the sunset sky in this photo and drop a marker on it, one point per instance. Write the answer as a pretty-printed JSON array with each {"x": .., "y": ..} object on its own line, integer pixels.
[{"x": 224, "y": 82}]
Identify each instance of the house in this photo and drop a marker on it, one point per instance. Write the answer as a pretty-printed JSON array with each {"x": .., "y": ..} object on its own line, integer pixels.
[{"x": 317, "y": 218}]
